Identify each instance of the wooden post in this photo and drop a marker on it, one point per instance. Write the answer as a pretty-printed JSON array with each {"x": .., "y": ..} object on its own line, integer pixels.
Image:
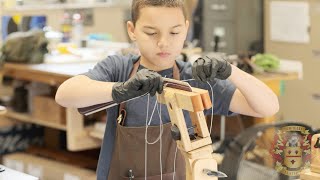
[
  {"x": 314, "y": 171},
  {"x": 77, "y": 136},
  {"x": 197, "y": 152}
]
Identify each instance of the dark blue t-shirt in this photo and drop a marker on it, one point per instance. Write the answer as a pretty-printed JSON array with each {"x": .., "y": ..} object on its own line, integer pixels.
[{"x": 117, "y": 69}]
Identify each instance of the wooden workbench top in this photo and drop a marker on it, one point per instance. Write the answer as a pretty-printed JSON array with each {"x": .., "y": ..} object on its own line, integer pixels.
[
  {"x": 265, "y": 77},
  {"x": 53, "y": 74}
]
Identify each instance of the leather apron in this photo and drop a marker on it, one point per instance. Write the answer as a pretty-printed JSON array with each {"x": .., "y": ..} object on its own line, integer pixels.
[{"x": 129, "y": 149}]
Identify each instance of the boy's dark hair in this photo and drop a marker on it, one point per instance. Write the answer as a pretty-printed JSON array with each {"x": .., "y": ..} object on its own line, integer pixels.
[{"x": 139, "y": 4}]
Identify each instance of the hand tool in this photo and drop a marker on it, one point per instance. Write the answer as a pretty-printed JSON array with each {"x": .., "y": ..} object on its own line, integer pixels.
[
  {"x": 196, "y": 148},
  {"x": 211, "y": 173},
  {"x": 167, "y": 83},
  {"x": 130, "y": 173}
]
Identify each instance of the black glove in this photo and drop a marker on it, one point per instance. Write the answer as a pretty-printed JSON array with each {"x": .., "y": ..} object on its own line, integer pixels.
[
  {"x": 206, "y": 69},
  {"x": 143, "y": 82}
]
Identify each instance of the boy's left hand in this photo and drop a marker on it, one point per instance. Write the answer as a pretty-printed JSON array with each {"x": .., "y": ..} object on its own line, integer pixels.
[{"x": 206, "y": 69}]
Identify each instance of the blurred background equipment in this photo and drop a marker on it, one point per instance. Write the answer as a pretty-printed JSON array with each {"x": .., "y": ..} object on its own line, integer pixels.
[
  {"x": 16, "y": 23},
  {"x": 24, "y": 47},
  {"x": 232, "y": 26},
  {"x": 267, "y": 62}
]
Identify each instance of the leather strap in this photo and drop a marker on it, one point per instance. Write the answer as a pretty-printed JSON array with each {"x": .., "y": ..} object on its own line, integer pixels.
[
  {"x": 122, "y": 106},
  {"x": 176, "y": 72}
]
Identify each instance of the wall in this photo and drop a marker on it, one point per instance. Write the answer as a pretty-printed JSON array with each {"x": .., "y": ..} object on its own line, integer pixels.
[{"x": 298, "y": 102}]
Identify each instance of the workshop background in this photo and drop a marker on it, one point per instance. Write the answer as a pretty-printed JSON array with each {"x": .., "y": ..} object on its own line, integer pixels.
[{"x": 278, "y": 41}]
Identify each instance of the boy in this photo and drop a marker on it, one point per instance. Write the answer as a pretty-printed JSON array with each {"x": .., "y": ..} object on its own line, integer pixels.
[{"x": 159, "y": 28}]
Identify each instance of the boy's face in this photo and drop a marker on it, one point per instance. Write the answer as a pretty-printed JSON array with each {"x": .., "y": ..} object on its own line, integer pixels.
[{"x": 160, "y": 33}]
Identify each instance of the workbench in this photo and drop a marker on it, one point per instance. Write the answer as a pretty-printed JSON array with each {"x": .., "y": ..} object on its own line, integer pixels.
[
  {"x": 79, "y": 137},
  {"x": 7, "y": 173}
]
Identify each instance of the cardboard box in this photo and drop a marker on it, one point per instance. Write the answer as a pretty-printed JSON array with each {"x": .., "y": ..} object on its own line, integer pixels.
[
  {"x": 45, "y": 108},
  {"x": 46, "y": 169}
]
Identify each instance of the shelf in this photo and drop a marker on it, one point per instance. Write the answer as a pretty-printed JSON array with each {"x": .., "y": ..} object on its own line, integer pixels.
[
  {"x": 265, "y": 77},
  {"x": 29, "y": 119},
  {"x": 77, "y": 134},
  {"x": 63, "y": 6}
]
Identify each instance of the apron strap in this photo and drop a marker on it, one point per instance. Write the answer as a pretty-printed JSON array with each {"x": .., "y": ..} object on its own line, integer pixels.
[
  {"x": 122, "y": 106},
  {"x": 176, "y": 72}
]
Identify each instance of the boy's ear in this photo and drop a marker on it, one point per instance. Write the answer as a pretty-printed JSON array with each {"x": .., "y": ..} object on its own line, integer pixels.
[
  {"x": 130, "y": 29},
  {"x": 187, "y": 29},
  {"x": 187, "y": 24}
]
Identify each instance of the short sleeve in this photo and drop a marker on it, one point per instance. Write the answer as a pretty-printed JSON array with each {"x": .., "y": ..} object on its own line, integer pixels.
[{"x": 105, "y": 70}]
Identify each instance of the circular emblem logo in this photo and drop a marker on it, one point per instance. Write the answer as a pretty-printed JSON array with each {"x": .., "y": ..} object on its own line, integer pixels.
[{"x": 291, "y": 150}]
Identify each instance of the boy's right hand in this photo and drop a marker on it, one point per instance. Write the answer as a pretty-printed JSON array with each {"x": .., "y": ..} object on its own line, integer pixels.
[{"x": 145, "y": 81}]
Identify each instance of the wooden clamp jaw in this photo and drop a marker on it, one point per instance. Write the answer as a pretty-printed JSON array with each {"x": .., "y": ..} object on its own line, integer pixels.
[
  {"x": 197, "y": 151},
  {"x": 315, "y": 153},
  {"x": 314, "y": 171}
]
